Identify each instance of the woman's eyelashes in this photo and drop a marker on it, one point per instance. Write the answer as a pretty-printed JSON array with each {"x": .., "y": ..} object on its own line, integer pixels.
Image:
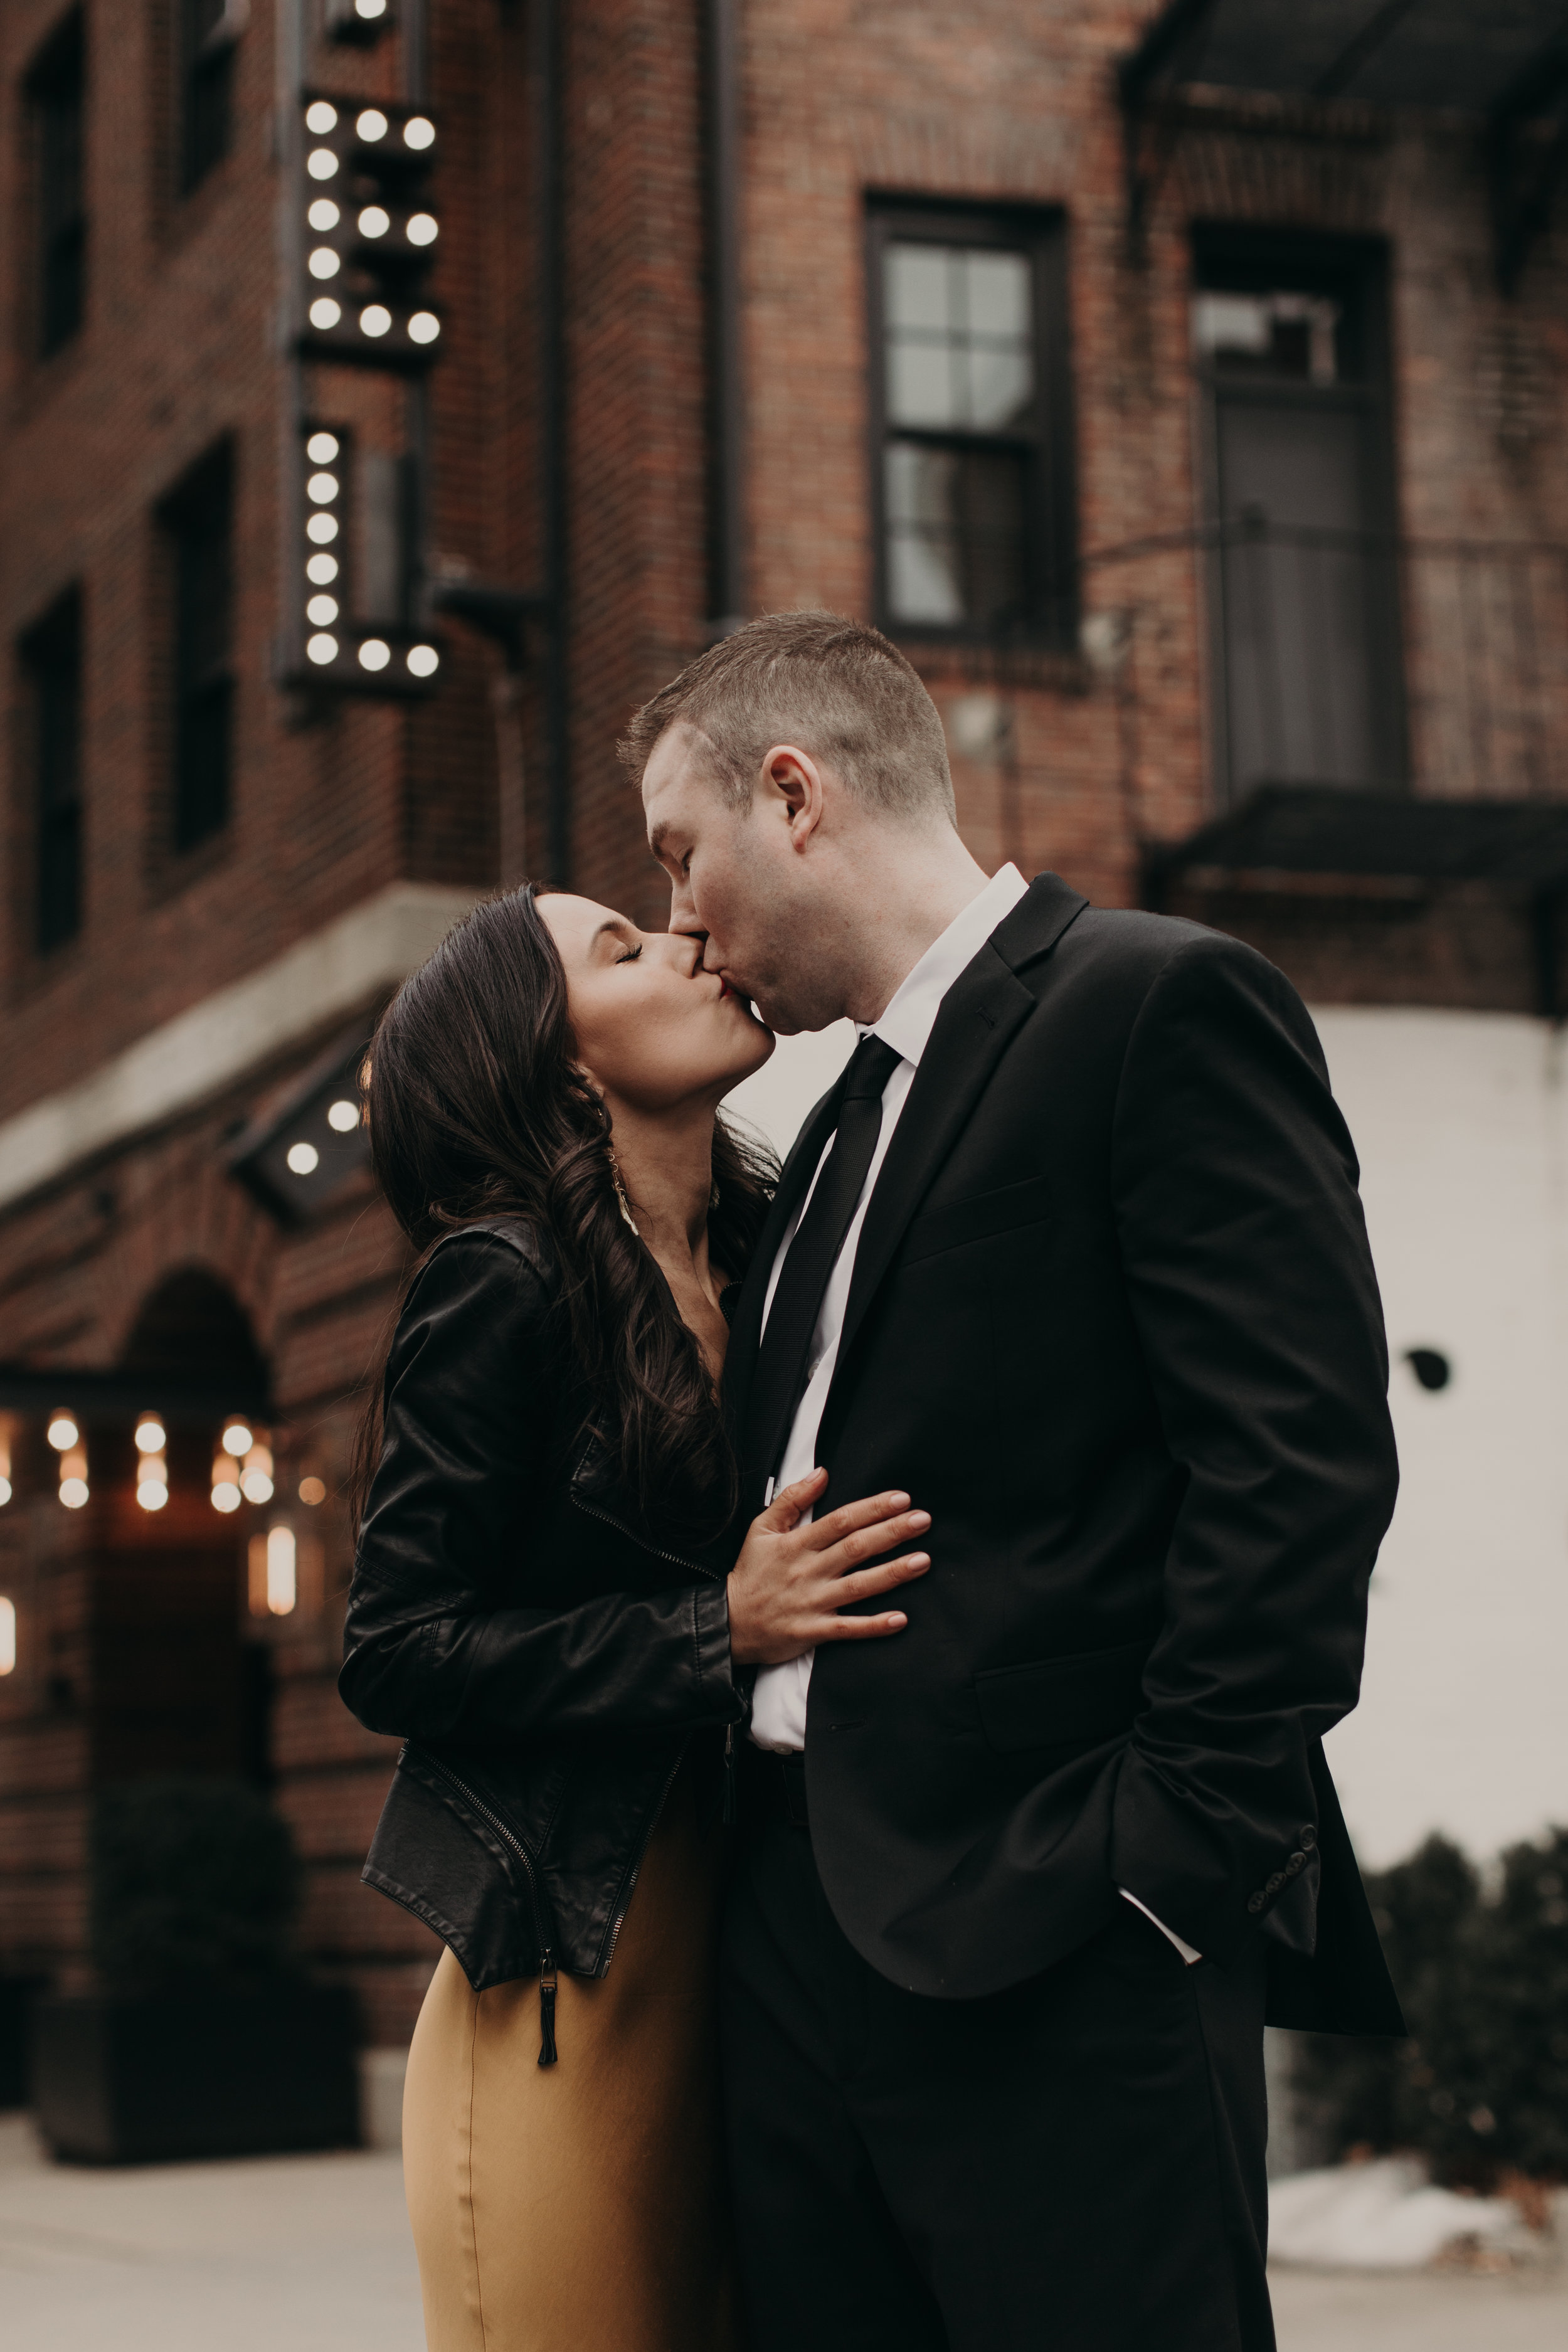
[{"x": 631, "y": 954}]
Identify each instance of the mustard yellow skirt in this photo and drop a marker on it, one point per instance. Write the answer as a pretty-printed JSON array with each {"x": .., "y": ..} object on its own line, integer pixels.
[{"x": 580, "y": 2207}]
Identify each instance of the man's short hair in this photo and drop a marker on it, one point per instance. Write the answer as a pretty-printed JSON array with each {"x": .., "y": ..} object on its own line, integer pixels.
[{"x": 836, "y": 689}]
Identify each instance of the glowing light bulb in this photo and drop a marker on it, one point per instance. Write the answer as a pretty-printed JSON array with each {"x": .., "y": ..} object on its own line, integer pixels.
[
  {"x": 418, "y": 133},
  {"x": 73, "y": 1493},
  {"x": 303, "y": 1158},
  {"x": 321, "y": 163},
  {"x": 320, "y": 649},
  {"x": 374, "y": 221},
  {"x": 225, "y": 1496},
  {"x": 372, "y": 124},
  {"x": 375, "y": 320},
  {"x": 424, "y": 228},
  {"x": 323, "y": 448},
  {"x": 375, "y": 654},
  {"x": 424, "y": 661},
  {"x": 238, "y": 1437},
  {"x": 322, "y": 611},
  {"x": 312, "y": 1491},
  {"x": 7, "y": 1637},
  {"x": 423, "y": 327},
  {"x": 256, "y": 1485},
  {"x": 282, "y": 1579},
  {"x": 150, "y": 1435},
  {"x": 342, "y": 1117},
  {"x": 323, "y": 489},
  {"x": 324, "y": 213},
  {"x": 63, "y": 1432},
  {"x": 369, "y": 10},
  {"x": 152, "y": 1493},
  {"x": 5, "y": 1492},
  {"x": 324, "y": 262},
  {"x": 320, "y": 568},
  {"x": 320, "y": 118},
  {"x": 322, "y": 527},
  {"x": 325, "y": 312}
]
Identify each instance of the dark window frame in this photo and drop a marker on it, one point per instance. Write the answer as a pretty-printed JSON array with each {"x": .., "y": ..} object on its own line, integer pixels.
[
  {"x": 1047, "y": 445},
  {"x": 196, "y": 521},
  {"x": 51, "y": 659},
  {"x": 206, "y": 35},
  {"x": 55, "y": 93}
]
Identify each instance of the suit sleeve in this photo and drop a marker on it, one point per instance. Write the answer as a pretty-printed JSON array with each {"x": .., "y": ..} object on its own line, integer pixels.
[
  {"x": 1251, "y": 1284},
  {"x": 430, "y": 1652}
]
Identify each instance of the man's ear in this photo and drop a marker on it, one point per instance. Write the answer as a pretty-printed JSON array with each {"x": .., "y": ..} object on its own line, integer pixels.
[{"x": 792, "y": 780}]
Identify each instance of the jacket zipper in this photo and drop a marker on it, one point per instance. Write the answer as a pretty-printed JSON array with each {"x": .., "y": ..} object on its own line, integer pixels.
[
  {"x": 547, "y": 1986},
  {"x": 673, "y": 1557},
  {"x": 630, "y": 1880}
]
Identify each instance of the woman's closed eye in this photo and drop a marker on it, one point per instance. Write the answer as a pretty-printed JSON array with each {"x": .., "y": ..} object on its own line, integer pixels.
[{"x": 631, "y": 954}]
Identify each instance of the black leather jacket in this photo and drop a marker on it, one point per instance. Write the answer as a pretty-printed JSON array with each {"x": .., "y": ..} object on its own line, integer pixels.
[{"x": 546, "y": 1659}]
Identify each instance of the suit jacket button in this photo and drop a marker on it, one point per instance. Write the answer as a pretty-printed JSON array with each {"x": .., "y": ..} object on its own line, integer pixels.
[
  {"x": 1307, "y": 1837},
  {"x": 1256, "y": 1902},
  {"x": 1271, "y": 1885},
  {"x": 1297, "y": 1862}
]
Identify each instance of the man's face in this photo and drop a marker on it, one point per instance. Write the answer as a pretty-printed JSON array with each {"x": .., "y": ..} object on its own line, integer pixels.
[{"x": 739, "y": 882}]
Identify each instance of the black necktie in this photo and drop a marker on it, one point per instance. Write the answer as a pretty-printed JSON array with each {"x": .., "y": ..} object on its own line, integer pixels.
[{"x": 780, "y": 1378}]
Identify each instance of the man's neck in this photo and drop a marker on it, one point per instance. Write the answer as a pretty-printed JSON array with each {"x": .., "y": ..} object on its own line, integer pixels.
[{"x": 911, "y": 897}]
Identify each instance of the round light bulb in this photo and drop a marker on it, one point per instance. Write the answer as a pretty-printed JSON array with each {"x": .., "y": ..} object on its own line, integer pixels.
[
  {"x": 256, "y": 1486},
  {"x": 325, "y": 312},
  {"x": 375, "y": 320},
  {"x": 303, "y": 1158},
  {"x": 424, "y": 661},
  {"x": 321, "y": 448},
  {"x": 225, "y": 1496},
  {"x": 374, "y": 221},
  {"x": 418, "y": 133},
  {"x": 5, "y": 1491},
  {"x": 320, "y": 118},
  {"x": 322, "y": 649},
  {"x": 423, "y": 327},
  {"x": 151, "y": 1435},
  {"x": 320, "y": 568},
  {"x": 152, "y": 1494},
  {"x": 424, "y": 228},
  {"x": 343, "y": 1118},
  {"x": 238, "y": 1437},
  {"x": 369, "y": 10},
  {"x": 322, "y": 611},
  {"x": 371, "y": 124},
  {"x": 312, "y": 1491},
  {"x": 322, "y": 527},
  {"x": 323, "y": 489},
  {"x": 324, "y": 262},
  {"x": 324, "y": 213},
  {"x": 375, "y": 654},
  {"x": 321, "y": 163},
  {"x": 63, "y": 1432},
  {"x": 73, "y": 1493}
]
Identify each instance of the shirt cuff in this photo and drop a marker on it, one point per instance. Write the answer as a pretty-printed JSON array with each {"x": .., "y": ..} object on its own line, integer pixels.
[{"x": 1170, "y": 1934}]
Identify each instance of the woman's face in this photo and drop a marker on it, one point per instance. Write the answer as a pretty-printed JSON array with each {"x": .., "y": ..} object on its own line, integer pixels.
[{"x": 654, "y": 1029}]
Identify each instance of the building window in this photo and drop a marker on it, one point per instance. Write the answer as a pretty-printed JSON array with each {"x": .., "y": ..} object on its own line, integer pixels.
[
  {"x": 974, "y": 487},
  {"x": 51, "y": 666},
  {"x": 207, "y": 32},
  {"x": 199, "y": 521},
  {"x": 56, "y": 91}
]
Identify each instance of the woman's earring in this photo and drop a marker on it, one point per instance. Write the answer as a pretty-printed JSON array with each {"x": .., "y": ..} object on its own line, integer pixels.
[{"x": 621, "y": 1192}]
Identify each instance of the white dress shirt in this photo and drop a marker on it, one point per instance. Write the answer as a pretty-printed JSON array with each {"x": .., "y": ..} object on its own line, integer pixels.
[{"x": 778, "y": 1703}]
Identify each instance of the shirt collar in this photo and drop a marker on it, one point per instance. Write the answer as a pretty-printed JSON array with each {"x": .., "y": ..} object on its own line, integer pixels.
[{"x": 911, "y": 1016}]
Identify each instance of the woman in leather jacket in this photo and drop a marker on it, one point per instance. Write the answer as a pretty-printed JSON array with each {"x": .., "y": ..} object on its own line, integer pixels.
[{"x": 552, "y": 1609}]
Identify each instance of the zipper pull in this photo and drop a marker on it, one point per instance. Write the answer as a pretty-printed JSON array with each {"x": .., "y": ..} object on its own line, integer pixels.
[
  {"x": 547, "y": 2010},
  {"x": 731, "y": 1810}
]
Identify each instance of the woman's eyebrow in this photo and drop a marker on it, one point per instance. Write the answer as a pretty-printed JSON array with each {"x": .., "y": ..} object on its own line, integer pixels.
[{"x": 618, "y": 924}]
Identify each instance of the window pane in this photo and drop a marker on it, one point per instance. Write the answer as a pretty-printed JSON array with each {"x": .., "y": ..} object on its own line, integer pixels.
[
  {"x": 996, "y": 288},
  {"x": 955, "y": 536},
  {"x": 960, "y": 337},
  {"x": 915, "y": 287},
  {"x": 921, "y": 389}
]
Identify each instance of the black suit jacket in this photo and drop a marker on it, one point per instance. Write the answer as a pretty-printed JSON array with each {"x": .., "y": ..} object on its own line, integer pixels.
[{"x": 1113, "y": 1322}]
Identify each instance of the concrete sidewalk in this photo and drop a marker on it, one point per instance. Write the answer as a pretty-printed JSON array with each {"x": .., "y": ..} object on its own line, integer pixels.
[{"x": 312, "y": 2253}]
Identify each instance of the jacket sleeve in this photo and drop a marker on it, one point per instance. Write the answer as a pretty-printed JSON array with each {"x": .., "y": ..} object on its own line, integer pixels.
[
  {"x": 1251, "y": 1284},
  {"x": 464, "y": 1469}
]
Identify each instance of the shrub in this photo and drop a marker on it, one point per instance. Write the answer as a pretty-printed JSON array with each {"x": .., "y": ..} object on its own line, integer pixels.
[
  {"x": 1481, "y": 2086},
  {"x": 193, "y": 1880}
]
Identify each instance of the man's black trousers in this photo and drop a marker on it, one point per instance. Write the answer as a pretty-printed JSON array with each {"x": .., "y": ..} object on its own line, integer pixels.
[{"x": 1074, "y": 2165}]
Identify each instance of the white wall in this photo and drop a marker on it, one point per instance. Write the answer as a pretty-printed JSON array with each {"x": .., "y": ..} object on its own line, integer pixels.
[{"x": 1461, "y": 1121}]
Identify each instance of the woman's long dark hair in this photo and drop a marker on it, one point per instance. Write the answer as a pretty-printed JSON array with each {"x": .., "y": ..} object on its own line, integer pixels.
[{"x": 478, "y": 1107}]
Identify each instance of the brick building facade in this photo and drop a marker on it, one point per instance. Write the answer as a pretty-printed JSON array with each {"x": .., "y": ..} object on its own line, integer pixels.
[{"x": 1194, "y": 414}]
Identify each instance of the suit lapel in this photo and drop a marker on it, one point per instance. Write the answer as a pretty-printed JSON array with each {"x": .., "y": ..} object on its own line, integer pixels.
[
  {"x": 980, "y": 1015},
  {"x": 746, "y": 1331}
]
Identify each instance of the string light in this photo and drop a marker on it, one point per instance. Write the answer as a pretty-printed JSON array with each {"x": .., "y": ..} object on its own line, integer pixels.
[
  {"x": 424, "y": 661},
  {"x": 7, "y": 1637},
  {"x": 418, "y": 133},
  {"x": 375, "y": 318},
  {"x": 226, "y": 1494},
  {"x": 342, "y": 1117},
  {"x": 303, "y": 1159},
  {"x": 319, "y": 569},
  {"x": 63, "y": 1432},
  {"x": 321, "y": 610},
  {"x": 423, "y": 327},
  {"x": 321, "y": 163},
  {"x": 312, "y": 1491},
  {"x": 320, "y": 117},
  {"x": 238, "y": 1437},
  {"x": 375, "y": 654},
  {"x": 5, "y": 1427},
  {"x": 150, "y": 1435},
  {"x": 374, "y": 221},
  {"x": 320, "y": 649},
  {"x": 73, "y": 1477},
  {"x": 256, "y": 1476},
  {"x": 372, "y": 125},
  {"x": 324, "y": 213},
  {"x": 422, "y": 229},
  {"x": 325, "y": 312}
]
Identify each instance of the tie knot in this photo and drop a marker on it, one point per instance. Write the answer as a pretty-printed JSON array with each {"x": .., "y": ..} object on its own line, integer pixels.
[{"x": 871, "y": 1065}]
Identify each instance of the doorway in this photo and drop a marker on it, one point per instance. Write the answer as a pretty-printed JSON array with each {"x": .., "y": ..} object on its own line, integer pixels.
[{"x": 1290, "y": 345}]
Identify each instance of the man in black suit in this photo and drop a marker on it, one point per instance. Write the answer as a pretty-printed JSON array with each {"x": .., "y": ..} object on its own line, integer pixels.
[{"x": 1074, "y": 1255}]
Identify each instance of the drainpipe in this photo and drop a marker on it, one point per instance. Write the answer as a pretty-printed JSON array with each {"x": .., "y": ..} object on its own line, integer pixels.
[
  {"x": 727, "y": 587},
  {"x": 547, "y": 82}
]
